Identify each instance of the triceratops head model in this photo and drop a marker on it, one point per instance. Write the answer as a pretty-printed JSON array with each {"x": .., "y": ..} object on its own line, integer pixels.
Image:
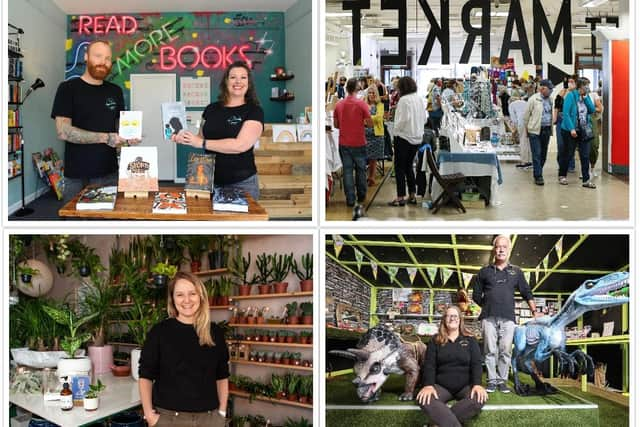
[{"x": 381, "y": 352}]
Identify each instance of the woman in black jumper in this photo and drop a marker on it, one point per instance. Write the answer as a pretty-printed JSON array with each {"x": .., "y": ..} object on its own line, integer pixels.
[
  {"x": 184, "y": 366},
  {"x": 452, "y": 370}
]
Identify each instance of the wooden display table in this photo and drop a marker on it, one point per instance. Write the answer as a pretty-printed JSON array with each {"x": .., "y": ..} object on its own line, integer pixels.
[{"x": 197, "y": 210}]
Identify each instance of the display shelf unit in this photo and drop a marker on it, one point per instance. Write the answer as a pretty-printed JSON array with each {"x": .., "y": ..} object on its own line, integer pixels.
[
  {"x": 215, "y": 272},
  {"x": 421, "y": 316},
  {"x": 219, "y": 307},
  {"x": 269, "y": 326},
  {"x": 263, "y": 296},
  {"x": 271, "y": 365},
  {"x": 270, "y": 400},
  {"x": 14, "y": 129},
  {"x": 272, "y": 344}
]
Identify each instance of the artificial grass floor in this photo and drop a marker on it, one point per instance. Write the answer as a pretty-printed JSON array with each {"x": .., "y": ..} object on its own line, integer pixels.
[{"x": 340, "y": 391}]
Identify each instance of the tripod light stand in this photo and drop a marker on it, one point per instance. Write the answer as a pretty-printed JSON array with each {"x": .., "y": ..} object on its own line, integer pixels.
[{"x": 24, "y": 211}]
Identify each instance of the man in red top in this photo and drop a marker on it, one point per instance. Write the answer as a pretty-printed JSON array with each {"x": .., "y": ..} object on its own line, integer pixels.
[{"x": 351, "y": 115}]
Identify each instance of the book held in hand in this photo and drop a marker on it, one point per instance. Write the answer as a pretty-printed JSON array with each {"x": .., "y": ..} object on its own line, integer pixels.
[
  {"x": 130, "y": 125},
  {"x": 231, "y": 200},
  {"x": 98, "y": 199},
  {"x": 174, "y": 118},
  {"x": 170, "y": 203}
]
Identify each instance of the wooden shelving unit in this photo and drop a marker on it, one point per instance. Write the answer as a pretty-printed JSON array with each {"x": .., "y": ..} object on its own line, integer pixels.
[
  {"x": 268, "y": 399},
  {"x": 272, "y": 365},
  {"x": 263, "y": 296},
  {"x": 216, "y": 272},
  {"x": 272, "y": 344},
  {"x": 268, "y": 326}
]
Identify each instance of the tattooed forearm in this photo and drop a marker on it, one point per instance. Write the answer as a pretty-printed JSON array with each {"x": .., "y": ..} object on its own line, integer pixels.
[{"x": 67, "y": 132}]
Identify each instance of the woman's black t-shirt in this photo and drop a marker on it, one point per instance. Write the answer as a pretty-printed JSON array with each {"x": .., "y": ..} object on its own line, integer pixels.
[
  {"x": 225, "y": 122},
  {"x": 183, "y": 372}
]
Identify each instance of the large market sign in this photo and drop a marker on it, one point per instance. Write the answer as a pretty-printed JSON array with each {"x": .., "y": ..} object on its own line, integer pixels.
[{"x": 440, "y": 31}]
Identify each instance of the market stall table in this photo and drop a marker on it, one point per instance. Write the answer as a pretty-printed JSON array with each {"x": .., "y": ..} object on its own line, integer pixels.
[
  {"x": 135, "y": 208},
  {"x": 120, "y": 394}
]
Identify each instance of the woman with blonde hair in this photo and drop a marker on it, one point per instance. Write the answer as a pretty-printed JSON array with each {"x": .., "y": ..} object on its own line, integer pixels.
[
  {"x": 374, "y": 135},
  {"x": 184, "y": 366},
  {"x": 452, "y": 370}
]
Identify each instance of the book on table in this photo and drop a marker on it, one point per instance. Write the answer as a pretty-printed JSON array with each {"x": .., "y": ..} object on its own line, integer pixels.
[
  {"x": 166, "y": 202},
  {"x": 231, "y": 200},
  {"x": 200, "y": 170},
  {"x": 98, "y": 199}
]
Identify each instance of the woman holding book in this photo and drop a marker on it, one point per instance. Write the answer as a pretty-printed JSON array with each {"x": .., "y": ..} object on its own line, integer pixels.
[{"x": 230, "y": 128}]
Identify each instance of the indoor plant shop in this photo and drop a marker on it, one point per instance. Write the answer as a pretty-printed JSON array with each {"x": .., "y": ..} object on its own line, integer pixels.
[
  {"x": 389, "y": 295},
  {"x": 81, "y": 307}
]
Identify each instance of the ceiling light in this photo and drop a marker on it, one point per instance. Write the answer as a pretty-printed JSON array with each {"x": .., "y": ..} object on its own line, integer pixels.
[
  {"x": 337, "y": 14},
  {"x": 594, "y": 3}
]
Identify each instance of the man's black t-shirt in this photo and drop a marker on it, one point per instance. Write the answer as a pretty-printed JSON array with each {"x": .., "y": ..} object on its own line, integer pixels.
[
  {"x": 225, "y": 122},
  {"x": 93, "y": 108},
  {"x": 494, "y": 291},
  {"x": 183, "y": 372}
]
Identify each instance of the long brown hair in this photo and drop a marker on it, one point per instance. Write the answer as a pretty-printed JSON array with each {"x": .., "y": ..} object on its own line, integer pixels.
[
  {"x": 202, "y": 322},
  {"x": 442, "y": 336},
  {"x": 250, "y": 97}
]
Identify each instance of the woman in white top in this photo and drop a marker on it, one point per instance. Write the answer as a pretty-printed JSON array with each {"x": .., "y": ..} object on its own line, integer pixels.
[
  {"x": 516, "y": 113},
  {"x": 408, "y": 129}
]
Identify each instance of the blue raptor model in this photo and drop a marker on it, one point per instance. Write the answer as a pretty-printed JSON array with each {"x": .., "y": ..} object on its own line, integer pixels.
[{"x": 544, "y": 337}]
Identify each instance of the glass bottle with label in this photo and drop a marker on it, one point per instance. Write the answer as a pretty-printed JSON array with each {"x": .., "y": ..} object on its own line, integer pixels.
[{"x": 66, "y": 397}]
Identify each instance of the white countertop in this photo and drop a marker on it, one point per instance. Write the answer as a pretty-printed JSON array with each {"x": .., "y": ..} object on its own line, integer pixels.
[{"x": 121, "y": 393}]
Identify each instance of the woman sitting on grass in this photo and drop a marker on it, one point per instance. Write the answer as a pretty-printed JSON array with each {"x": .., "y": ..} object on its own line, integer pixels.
[{"x": 452, "y": 370}]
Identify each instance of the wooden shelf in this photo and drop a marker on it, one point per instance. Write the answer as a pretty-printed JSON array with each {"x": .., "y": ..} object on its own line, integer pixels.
[
  {"x": 282, "y": 79},
  {"x": 212, "y": 272},
  {"x": 273, "y": 365},
  {"x": 283, "y": 99},
  {"x": 272, "y": 344},
  {"x": 266, "y": 325},
  {"x": 219, "y": 307},
  {"x": 268, "y": 399},
  {"x": 287, "y": 294}
]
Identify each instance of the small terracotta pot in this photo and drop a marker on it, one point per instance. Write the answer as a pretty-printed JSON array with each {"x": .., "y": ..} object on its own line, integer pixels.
[
  {"x": 306, "y": 285},
  {"x": 264, "y": 289},
  {"x": 307, "y": 320},
  {"x": 212, "y": 301},
  {"x": 285, "y": 361},
  {"x": 280, "y": 287},
  {"x": 281, "y": 395},
  {"x": 293, "y": 397},
  {"x": 195, "y": 266},
  {"x": 244, "y": 290},
  {"x": 303, "y": 399},
  {"x": 251, "y": 320},
  {"x": 290, "y": 340},
  {"x": 280, "y": 339},
  {"x": 223, "y": 300},
  {"x": 293, "y": 320},
  {"x": 260, "y": 320}
]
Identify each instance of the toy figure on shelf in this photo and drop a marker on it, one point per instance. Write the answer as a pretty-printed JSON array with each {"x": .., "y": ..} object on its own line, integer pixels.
[
  {"x": 545, "y": 336},
  {"x": 381, "y": 352}
]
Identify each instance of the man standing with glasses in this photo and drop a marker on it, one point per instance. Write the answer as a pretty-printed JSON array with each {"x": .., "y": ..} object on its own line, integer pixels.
[{"x": 494, "y": 290}]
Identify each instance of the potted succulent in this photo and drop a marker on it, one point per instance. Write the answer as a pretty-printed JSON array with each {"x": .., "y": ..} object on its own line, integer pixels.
[
  {"x": 285, "y": 359},
  {"x": 278, "y": 386},
  {"x": 273, "y": 335},
  {"x": 305, "y": 389},
  {"x": 304, "y": 272},
  {"x": 296, "y": 358},
  {"x": 239, "y": 268},
  {"x": 290, "y": 337},
  {"x": 162, "y": 273},
  {"x": 282, "y": 334},
  {"x": 251, "y": 319},
  {"x": 26, "y": 272},
  {"x": 91, "y": 399},
  {"x": 211, "y": 285},
  {"x": 265, "y": 271},
  {"x": 280, "y": 267},
  {"x": 306, "y": 337},
  {"x": 224, "y": 290},
  {"x": 261, "y": 313},
  {"x": 307, "y": 313},
  {"x": 292, "y": 313},
  {"x": 292, "y": 386}
]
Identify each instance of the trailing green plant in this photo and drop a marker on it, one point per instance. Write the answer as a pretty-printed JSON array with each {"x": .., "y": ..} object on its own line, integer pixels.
[
  {"x": 305, "y": 271},
  {"x": 302, "y": 422},
  {"x": 280, "y": 267},
  {"x": 27, "y": 270},
  {"x": 56, "y": 248},
  {"x": 95, "y": 390},
  {"x": 265, "y": 268},
  {"x": 306, "y": 308},
  {"x": 84, "y": 256},
  {"x": 99, "y": 298},
  {"x": 292, "y": 308},
  {"x": 66, "y": 317},
  {"x": 164, "y": 269}
]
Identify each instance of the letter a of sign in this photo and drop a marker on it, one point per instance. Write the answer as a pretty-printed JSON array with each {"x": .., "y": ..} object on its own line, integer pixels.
[{"x": 515, "y": 15}]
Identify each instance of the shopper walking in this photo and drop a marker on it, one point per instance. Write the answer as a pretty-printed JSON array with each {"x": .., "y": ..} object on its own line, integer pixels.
[
  {"x": 493, "y": 290},
  {"x": 375, "y": 134},
  {"x": 452, "y": 370},
  {"x": 231, "y": 126},
  {"x": 517, "y": 107},
  {"x": 408, "y": 129},
  {"x": 538, "y": 118},
  {"x": 577, "y": 131},
  {"x": 557, "y": 120},
  {"x": 350, "y": 116},
  {"x": 434, "y": 106},
  {"x": 184, "y": 365}
]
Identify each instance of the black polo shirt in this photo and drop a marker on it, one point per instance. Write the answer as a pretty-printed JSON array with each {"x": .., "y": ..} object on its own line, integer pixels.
[{"x": 494, "y": 291}]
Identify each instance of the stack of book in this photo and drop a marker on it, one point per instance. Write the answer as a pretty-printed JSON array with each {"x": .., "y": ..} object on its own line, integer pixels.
[
  {"x": 170, "y": 203},
  {"x": 101, "y": 198}
]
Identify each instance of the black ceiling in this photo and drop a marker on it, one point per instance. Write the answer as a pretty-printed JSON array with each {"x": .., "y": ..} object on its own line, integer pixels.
[{"x": 583, "y": 257}]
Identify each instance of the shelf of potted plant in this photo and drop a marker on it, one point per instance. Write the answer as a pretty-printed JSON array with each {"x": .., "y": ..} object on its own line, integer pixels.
[
  {"x": 269, "y": 399},
  {"x": 273, "y": 365},
  {"x": 288, "y": 294},
  {"x": 215, "y": 272},
  {"x": 272, "y": 344},
  {"x": 267, "y": 325}
]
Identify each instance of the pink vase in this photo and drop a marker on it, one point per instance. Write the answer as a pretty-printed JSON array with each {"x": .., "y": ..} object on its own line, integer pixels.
[{"x": 101, "y": 358}]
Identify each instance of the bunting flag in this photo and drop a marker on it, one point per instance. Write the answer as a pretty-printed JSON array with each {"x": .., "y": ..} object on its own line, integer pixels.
[
  {"x": 466, "y": 277},
  {"x": 359, "y": 257},
  {"x": 431, "y": 272},
  {"x": 559, "y": 247},
  {"x": 545, "y": 263},
  {"x": 338, "y": 243},
  {"x": 392, "y": 270},
  {"x": 446, "y": 273},
  {"x": 412, "y": 271},
  {"x": 527, "y": 276},
  {"x": 374, "y": 269}
]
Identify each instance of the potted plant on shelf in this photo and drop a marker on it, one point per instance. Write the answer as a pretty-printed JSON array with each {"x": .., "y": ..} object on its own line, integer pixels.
[
  {"x": 239, "y": 268},
  {"x": 296, "y": 358},
  {"x": 280, "y": 266},
  {"x": 75, "y": 338},
  {"x": 292, "y": 386},
  {"x": 304, "y": 272},
  {"x": 261, "y": 313},
  {"x": 211, "y": 285},
  {"x": 84, "y": 260},
  {"x": 292, "y": 313},
  {"x": 117, "y": 260},
  {"x": 91, "y": 399},
  {"x": 162, "y": 273},
  {"x": 306, "y": 337},
  {"x": 224, "y": 290},
  {"x": 305, "y": 389},
  {"x": 307, "y": 313},
  {"x": 302, "y": 422},
  {"x": 277, "y": 385},
  {"x": 285, "y": 359},
  {"x": 291, "y": 337},
  {"x": 282, "y": 336},
  {"x": 197, "y": 245},
  {"x": 265, "y": 271}
]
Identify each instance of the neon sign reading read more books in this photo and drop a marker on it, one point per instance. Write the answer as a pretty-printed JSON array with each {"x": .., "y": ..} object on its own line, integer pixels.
[{"x": 186, "y": 57}]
